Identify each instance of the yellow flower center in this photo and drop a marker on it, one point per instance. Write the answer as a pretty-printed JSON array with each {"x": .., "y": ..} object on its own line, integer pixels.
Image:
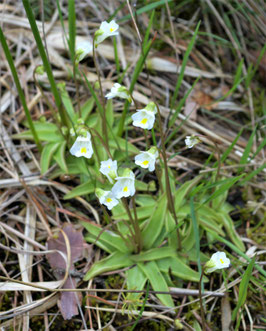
[
  {"x": 222, "y": 261},
  {"x": 109, "y": 167},
  {"x": 111, "y": 29},
  {"x": 146, "y": 162},
  {"x": 144, "y": 121},
  {"x": 83, "y": 150},
  {"x": 125, "y": 189},
  {"x": 108, "y": 200}
]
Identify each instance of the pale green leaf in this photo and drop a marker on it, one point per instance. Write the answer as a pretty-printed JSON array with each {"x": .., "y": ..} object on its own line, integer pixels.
[
  {"x": 152, "y": 272},
  {"x": 114, "y": 261},
  {"x": 155, "y": 223},
  {"x": 109, "y": 237},
  {"x": 46, "y": 156}
]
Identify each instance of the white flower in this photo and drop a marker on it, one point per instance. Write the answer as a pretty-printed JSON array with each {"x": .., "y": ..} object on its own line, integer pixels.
[
  {"x": 125, "y": 185},
  {"x": 147, "y": 159},
  {"x": 109, "y": 169},
  {"x": 217, "y": 261},
  {"x": 83, "y": 48},
  {"x": 119, "y": 91},
  {"x": 106, "y": 198},
  {"x": 82, "y": 147},
  {"x": 145, "y": 118},
  {"x": 106, "y": 30},
  {"x": 191, "y": 141}
]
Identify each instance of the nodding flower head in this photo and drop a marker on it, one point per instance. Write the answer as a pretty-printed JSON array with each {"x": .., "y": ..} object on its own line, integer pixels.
[
  {"x": 106, "y": 198},
  {"x": 145, "y": 118},
  {"x": 83, "y": 49},
  {"x": 119, "y": 91},
  {"x": 191, "y": 141},
  {"x": 125, "y": 184},
  {"x": 217, "y": 261},
  {"x": 109, "y": 169},
  {"x": 147, "y": 159},
  {"x": 82, "y": 146},
  {"x": 106, "y": 30}
]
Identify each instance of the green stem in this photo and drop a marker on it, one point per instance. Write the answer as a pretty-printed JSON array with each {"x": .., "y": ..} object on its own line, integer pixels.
[
  {"x": 146, "y": 139},
  {"x": 102, "y": 141},
  {"x": 111, "y": 222},
  {"x": 167, "y": 182},
  {"x": 134, "y": 101},
  {"x": 19, "y": 89},
  {"x": 136, "y": 235},
  {"x": 116, "y": 56},
  {"x": 136, "y": 73}
]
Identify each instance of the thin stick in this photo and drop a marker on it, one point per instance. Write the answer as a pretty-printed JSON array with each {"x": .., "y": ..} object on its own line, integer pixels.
[{"x": 203, "y": 321}]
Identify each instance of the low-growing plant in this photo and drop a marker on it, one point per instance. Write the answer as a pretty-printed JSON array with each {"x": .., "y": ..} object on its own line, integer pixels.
[{"x": 150, "y": 228}]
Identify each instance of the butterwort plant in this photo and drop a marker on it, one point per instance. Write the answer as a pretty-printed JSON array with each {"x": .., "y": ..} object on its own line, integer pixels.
[{"x": 144, "y": 234}]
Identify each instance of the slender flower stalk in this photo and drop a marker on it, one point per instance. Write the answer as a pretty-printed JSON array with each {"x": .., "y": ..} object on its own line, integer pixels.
[
  {"x": 167, "y": 182},
  {"x": 82, "y": 146},
  {"x": 104, "y": 127},
  {"x": 135, "y": 224},
  {"x": 76, "y": 86}
]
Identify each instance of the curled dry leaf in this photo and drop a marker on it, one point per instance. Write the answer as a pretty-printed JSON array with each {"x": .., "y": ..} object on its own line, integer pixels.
[
  {"x": 58, "y": 243},
  {"x": 69, "y": 301}
]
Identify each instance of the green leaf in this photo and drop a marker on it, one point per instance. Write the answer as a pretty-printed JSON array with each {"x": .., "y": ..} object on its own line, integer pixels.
[
  {"x": 252, "y": 174},
  {"x": 152, "y": 272},
  {"x": 46, "y": 132},
  {"x": 244, "y": 158},
  {"x": 155, "y": 223},
  {"x": 181, "y": 193},
  {"x": 145, "y": 200},
  {"x": 108, "y": 237},
  {"x": 136, "y": 280},
  {"x": 243, "y": 288},
  {"x": 224, "y": 187},
  {"x": 72, "y": 28},
  {"x": 85, "y": 188},
  {"x": 171, "y": 230},
  {"x": 110, "y": 112},
  {"x": 67, "y": 102},
  {"x": 145, "y": 9},
  {"x": 19, "y": 89},
  {"x": 141, "y": 186},
  {"x": 46, "y": 63},
  {"x": 46, "y": 156},
  {"x": 86, "y": 108},
  {"x": 119, "y": 212},
  {"x": 124, "y": 145},
  {"x": 209, "y": 224},
  {"x": 59, "y": 157},
  {"x": 230, "y": 229},
  {"x": 154, "y": 254},
  {"x": 114, "y": 261},
  {"x": 179, "y": 269},
  {"x": 189, "y": 238}
]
